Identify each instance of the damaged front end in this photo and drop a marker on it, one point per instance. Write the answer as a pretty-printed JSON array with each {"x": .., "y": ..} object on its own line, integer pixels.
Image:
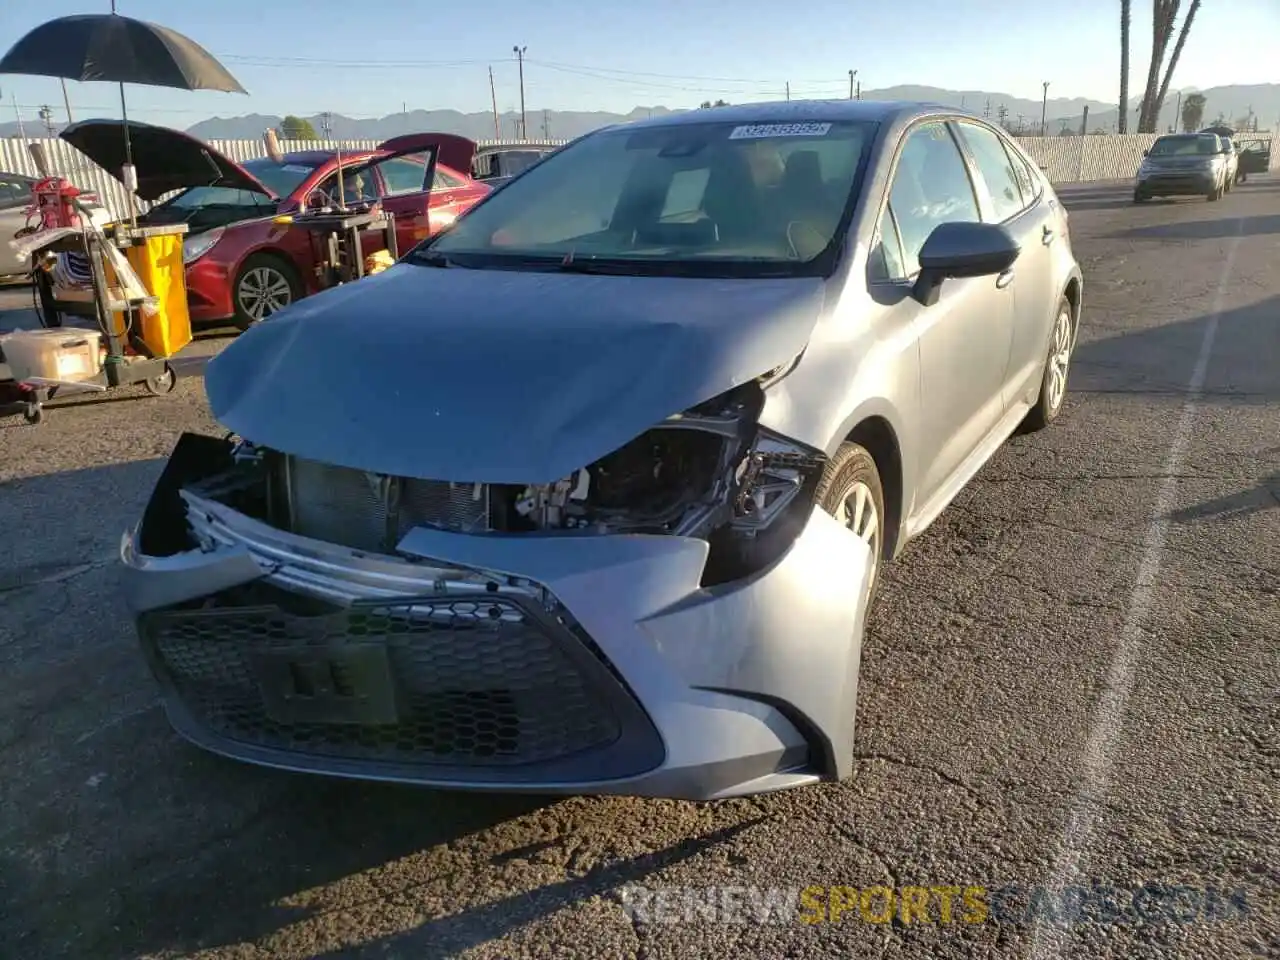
[{"x": 674, "y": 618}]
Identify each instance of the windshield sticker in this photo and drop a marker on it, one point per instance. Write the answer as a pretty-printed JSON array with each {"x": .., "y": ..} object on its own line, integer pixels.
[
  {"x": 294, "y": 168},
  {"x": 758, "y": 131}
]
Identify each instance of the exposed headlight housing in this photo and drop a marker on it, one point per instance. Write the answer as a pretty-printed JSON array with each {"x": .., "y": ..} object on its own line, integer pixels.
[{"x": 195, "y": 247}]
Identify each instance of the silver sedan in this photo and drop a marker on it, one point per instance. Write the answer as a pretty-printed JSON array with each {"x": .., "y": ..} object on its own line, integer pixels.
[
  {"x": 627, "y": 452},
  {"x": 15, "y": 197}
]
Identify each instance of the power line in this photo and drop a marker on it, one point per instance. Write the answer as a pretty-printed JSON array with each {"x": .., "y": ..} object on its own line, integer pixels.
[{"x": 604, "y": 72}]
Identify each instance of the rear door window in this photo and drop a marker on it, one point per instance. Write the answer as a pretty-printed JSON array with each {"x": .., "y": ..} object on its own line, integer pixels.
[{"x": 998, "y": 169}]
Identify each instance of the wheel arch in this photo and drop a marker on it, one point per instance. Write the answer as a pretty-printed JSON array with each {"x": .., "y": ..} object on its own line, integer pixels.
[
  {"x": 1074, "y": 292},
  {"x": 875, "y": 433}
]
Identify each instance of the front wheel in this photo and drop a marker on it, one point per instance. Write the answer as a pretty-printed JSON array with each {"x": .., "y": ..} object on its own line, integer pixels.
[
  {"x": 266, "y": 283},
  {"x": 1053, "y": 386},
  {"x": 851, "y": 492}
]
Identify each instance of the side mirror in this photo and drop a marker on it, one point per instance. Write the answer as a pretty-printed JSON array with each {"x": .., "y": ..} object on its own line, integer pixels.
[
  {"x": 1146, "y": 153},
  {"x": 962, "y": 250}
]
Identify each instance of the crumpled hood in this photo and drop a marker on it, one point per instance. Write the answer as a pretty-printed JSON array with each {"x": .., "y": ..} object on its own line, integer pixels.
[{"x": 498, "y": 376}]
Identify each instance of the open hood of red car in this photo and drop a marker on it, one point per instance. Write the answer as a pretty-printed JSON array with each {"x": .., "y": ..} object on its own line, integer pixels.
[
  {"x": 164, "y": 159},
  {"x": 451, "y": 150}
]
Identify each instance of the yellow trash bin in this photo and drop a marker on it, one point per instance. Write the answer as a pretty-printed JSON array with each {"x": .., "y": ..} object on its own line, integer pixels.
[{"x": 158, "y": 263}]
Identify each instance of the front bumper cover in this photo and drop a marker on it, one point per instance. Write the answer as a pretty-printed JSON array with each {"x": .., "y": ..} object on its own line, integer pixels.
[{"x": 738, "y": 689}]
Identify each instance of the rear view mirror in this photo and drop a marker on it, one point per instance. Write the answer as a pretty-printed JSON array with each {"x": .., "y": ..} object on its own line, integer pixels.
[{"x": 963, "y": 250}]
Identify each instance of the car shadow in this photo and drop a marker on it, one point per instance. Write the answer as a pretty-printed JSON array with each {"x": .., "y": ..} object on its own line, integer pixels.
[
  {"x": 1159, "y": 360},
  {"x": 457, "y": 933},
  {"x": 1263, "y": 496},
  {"x": 1216, "y": 229}
]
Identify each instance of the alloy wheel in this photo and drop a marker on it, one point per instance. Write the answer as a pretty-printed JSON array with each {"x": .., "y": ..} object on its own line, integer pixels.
[
  {"x": 858, "y": 513},
  {"x": 263, "y": 291},
  {"x": 1059, "y": 358}
]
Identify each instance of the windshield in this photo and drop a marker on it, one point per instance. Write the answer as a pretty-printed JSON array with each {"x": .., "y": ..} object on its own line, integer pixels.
[
  {"x": 709, "y": 198},
  {"x": 1184, "y": 147},
  {"x": 280, "y": 178}
]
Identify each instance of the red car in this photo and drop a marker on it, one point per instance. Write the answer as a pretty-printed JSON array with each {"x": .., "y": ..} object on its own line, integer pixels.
[{"x": 243, "y": 265}]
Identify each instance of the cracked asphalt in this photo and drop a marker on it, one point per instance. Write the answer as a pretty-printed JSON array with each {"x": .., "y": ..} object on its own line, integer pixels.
[{"x": 1072, "y": 679}]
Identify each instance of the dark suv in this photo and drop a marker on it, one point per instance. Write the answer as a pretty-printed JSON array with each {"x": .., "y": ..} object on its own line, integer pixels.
[{"x": 1182, "y": 165}]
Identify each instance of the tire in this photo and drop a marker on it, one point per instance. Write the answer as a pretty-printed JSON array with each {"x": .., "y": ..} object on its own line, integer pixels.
[
  {"x": 271, "y": 274},
  {"x": 163, "y": 384},
  {"x": 851, "y": 481},
  {"x": 33, "y": 413},
  {"x": 1057, "y": 367},
  {"x": 1139, "y": 197},
  {"x": 1214, "y": 195}
]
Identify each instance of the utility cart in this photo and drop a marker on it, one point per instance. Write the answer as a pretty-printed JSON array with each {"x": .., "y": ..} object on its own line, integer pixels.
[
  {"x": 337, "y": 244},
  {"x": 136, "y": 336}
]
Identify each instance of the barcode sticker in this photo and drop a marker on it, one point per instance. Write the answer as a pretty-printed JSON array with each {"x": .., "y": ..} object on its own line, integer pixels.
[{"x": 757, "y": 131}]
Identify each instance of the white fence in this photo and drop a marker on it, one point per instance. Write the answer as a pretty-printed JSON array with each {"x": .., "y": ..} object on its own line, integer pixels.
[
  {"x": 1102, "y": 157},
  {"x": 1067, "y": 159},
  {"x": 65, "y": 160}
]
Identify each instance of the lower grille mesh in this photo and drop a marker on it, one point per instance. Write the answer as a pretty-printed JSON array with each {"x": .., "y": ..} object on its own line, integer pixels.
[{"x": 476, "y": 683}]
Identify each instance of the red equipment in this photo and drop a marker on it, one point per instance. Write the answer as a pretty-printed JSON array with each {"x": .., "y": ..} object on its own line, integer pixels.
[{"x": 55, "y": 203}]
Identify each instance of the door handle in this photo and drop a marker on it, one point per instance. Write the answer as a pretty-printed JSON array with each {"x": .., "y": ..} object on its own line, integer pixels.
[
  {"x": 1004, "y": 279},
  {"x": 1048, "y": 236}
]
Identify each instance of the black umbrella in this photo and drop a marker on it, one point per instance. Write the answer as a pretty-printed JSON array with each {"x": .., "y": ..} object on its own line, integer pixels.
[{"x": 116, "y": 49}]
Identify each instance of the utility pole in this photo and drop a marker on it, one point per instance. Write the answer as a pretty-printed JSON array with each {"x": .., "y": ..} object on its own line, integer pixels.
[
  {"x": 986, "y": 111},
  {"x": 66, "y": 101},
  {"x": 22, "y": 133},
  {"x": 546, "y": 124},
  {"x": 1177, "y": 115},
  {"x": 1084, "y": 121},
  {"x": 853, "y": 74},
  {"x": 497, "y": 127},
  {"x": 524, "y": 126},
  {"x": 1044, "y": 111},
  {"x": 859, "y": 90},
  {"x": 45, "y": 114},
  {"x": 788, "y": 89}
]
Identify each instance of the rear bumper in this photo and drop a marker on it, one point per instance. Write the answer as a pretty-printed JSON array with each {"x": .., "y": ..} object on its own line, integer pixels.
[{"x": 531, "y": 664}]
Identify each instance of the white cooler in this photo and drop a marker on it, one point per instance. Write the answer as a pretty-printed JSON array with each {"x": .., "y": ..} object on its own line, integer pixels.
[{"x": 67, "y": 354}]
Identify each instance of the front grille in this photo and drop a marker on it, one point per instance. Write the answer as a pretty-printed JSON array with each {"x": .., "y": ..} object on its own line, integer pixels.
[
  {"x": 475, "y": 683},
  {"x": 370, "y": 511}
]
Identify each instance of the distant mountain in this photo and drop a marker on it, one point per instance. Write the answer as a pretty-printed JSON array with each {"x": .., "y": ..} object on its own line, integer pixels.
[
  {"x": 1231, "y": 102},
  {"x": 548, "y": 124}
]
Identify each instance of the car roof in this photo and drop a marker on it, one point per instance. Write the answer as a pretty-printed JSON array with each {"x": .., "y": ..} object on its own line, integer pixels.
[{"x": 794, "y": 111}]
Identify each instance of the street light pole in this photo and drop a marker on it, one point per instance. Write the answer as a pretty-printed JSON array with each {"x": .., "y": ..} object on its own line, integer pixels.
[
  {"x": 524, "y": 128},
  {"x": 1044, "y": 112},
  {"x": 853, "y": 74}
]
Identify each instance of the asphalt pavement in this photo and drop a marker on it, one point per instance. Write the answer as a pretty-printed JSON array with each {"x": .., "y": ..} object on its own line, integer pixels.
[{"x": 1069, "y": 690}]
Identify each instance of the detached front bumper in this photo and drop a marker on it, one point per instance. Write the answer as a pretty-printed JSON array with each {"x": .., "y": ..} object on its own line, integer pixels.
[{"x": 558, "y": 664}]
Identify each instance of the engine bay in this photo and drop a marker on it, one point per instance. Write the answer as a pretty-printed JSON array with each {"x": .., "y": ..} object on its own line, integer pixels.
[{"x": 709, "y": 473}]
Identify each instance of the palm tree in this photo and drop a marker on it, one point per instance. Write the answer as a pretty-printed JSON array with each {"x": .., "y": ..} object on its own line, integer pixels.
[
  {"x": 1164, "y": 14},
  {"x": 1123, "y": 124},
  {"x": 1173, "y": 60},
  {"x": 1193, "y": 112}
]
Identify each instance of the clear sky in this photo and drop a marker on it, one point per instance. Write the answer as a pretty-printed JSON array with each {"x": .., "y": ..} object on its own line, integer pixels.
[{"x": 371, "y": 59}]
